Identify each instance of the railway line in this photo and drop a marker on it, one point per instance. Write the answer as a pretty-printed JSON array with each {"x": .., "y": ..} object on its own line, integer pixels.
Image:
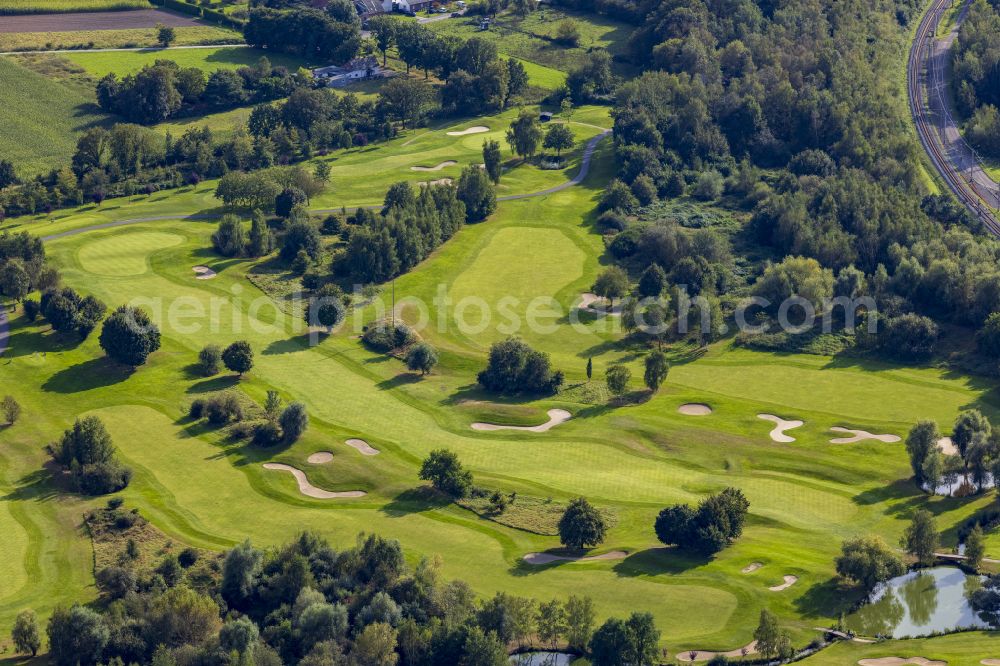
[{"x": 953, "y": 159}]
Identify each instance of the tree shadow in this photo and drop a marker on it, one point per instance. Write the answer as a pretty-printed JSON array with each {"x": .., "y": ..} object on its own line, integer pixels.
[
  {"x": 476, "y": 393},
  {"x": 661, "y": 560},
  {"x": 827, "y": 599},
  {"x": 415, "y": 500},
  {"x": 289, "y": 346},
  {"x": 897, "y": 490},
  {"x": 214, "y": 384},
  {"x": 93, "y": 374},
  {"x": 37, "y": 486},
  {"x": 22, "y": 342},
  {"x": 402, "y": 379}
]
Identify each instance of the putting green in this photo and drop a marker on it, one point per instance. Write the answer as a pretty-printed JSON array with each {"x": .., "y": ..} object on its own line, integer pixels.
[{"x": 125, "y": 254}]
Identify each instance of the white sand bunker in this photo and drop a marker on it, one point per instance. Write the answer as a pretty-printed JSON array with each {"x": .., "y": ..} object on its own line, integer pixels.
[
  {"x": 990, "y": 662},
  {"x": 556, "y": 416},
  {"x": 789, "y": 581},
  {"x": 436, "y": 167},
  {"x": 364, "y": 447},
  {"x": 549, "y": 558},
  {"x": 588, "y": 301},
  {"x": 781, "y": 425},
  {"x": 320, "y": 458},
  {"x": 859, "y": 436},
  {"x": 476, "y": 129},
  {"x": 203, "y": 273},
  {"x": 439, "y": 181},
  {"x": 750, "y": 568},
  {"x": 947, "y": 446},
  {"x": 695, "y": 409},
  {"x": 705, "y": 655},
  {"x": 309, "y": 489},
  {"x": 899, "y": 661}
]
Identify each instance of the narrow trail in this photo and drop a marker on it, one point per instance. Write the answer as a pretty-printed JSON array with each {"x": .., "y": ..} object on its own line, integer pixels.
[{"x": 588, "y": 153}]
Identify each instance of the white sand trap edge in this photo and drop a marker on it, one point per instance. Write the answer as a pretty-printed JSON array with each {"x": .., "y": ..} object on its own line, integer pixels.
[
  {"x": 705, "y": 655},
  {"x": 750, "y": 568},
  {"x": 549, "y": 558},
  {"x": 203, "y": 273},
  {"x": 475, "y": 129},
  {"x": 947, "y": 446},
  {"x": 439, "y": 181},
  {"x": 309, "y": 489},
  {"x": 362, "y": 446},
  {"x": 556, "y": 416},
  {"x": 588, "y": 299},
  {"x": 695, "y": 409},
  {"x": 437, "y": 167},
  {"x": 860, "y": 436},
  {"x": 899, "y": 661},
  {"x": 320, "y": 458},
  {"x": 990, "y": 662},
  {"x": 781, "y": 425},
  {"x": 789, "y": 581}
]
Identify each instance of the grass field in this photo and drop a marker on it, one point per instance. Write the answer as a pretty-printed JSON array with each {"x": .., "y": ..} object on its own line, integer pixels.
[
  {"x": 203, "y": 489},
  {"x": 53, "y": 6},
  {"x": 41, "y": 118},
  {"x": 209, "y": 60},
  {"x": 114, "y": 39},
  {"x": 965, "y": 649}
]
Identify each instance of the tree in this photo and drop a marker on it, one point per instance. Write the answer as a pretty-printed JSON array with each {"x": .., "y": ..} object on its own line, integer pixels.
[
  {"x": 590, "y": 368},
  {"x": 581, "y": 526},
  {"x": 612, "y": 283},
  {"x": 643, "y": 639},
  {"x": 210, "y": 360},
  {"x": 15, "y": 283},
  {"x": 165, "y": 35},
  {"x": 301, "y": 235},
  {"x": 129, "y": 336},
  {"x": 656, "y": 370},
  {"x": 404, "y": 98},
  {"x": 383, "y": 28},
  {"x": 476, "y": 191},
  {"x": 551, "y": 622},
  {"x": 376, "y": 646},
  {"x": 294, "y": 421},
  {"x": 920, "y": 442},
  {"x": 715, "y": 524},
  {"x": 492, "y": 159},
  {"x": 968, "y": 425},
  {"x": 514, "y": 367},
  {"x": 975, "y": 548},
  {"x": 25, "y": 633},
  {"x": 421, "y": 357},
  {"x": 11, "y": 409},
  {"x": 77, "y": 636},
  {"x": 652, "y": 282},
  {"x": 567, "y": 33},
  {"x": 559, "y": 137},
  {"x": 483, "y": 649},
  {"x": 988, "y": 337},
  {"x": 921, "y": 537},
  {"x": 610, "y": 644},
  {"x": 288, "y": 200},
  {"x": 524, "y": 134},
  {"x": 579, "y": 621},
  {"x": 241, "y": 570},
  {"x": 238, "y": 635},
  {"x": 771, "y": 641},
  {"x": 229, "y": 240},
  {"x": 443, "y": 469},
  {"x": 933, "y": 469},
  {"x": 238, "y": 357},
  {"x": 617, "y": 378},
  {"x": 868, "y": 561}
]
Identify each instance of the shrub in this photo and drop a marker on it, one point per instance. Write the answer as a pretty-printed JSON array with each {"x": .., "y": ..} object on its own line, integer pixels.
[
  {"x": 716, "y": 523},
  {"x": 384, "y": 338},
  {"x": 909, "y": 337},
  {"x": 421, "y": 357},
  {"x": 187, "y": 557},
  {"x": 267, "y": 434},
  {"x": 238, "y": 357},
  {"x": 197, "y": 408},
  {"x": 443, "y": 469},
  {"x": 709, "y": 186},
  {"x": 32, "y": 309},
  {"x": 294, "y": 421},
  {"x": 612, "y": 220},
  {"x": 223, "y": 408},
  {"x": 514, "y": 367},
  {"x": 129, "y": 336},
  {"x": 87, "y": 451},
  {"x": 210, "y": 360}
]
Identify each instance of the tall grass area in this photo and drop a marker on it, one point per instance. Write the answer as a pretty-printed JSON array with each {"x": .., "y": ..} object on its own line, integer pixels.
[
  {"x": 114, "y": 39},
  {"x": 9, "y": 7},
  {"x": 40, "y": 118}
]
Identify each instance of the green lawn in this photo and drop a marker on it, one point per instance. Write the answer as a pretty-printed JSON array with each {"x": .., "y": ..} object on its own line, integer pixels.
[
  {"x": 226, "y": 57},
  {"x": 965, "y": 649}
]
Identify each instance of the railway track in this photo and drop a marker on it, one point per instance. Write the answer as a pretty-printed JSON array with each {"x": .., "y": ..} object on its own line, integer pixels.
[{"x": 920, "y": 75}]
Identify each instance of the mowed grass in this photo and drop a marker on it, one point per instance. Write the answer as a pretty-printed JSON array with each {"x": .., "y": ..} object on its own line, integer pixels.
[
  {"x": 963, "y": 649},
  {"x": 114, "y": 39},
  {"x": 41, "y": 118},
  {"x": 57, "y": 6},
  {"x": 208, "y": 59}
]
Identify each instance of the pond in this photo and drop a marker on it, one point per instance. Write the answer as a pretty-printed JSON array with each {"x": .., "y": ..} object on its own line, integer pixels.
[
  {"x": 917, "y": 604},
  {"x": 542, "y": 659}
]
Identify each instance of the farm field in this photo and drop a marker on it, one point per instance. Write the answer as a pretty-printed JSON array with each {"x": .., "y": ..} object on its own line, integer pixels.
[
  {"x": 199, "y": 487},
  {"x": 53, "y": 6},
  {"x": 99, "y": 20},
  {"x": 114, "y": 39}
]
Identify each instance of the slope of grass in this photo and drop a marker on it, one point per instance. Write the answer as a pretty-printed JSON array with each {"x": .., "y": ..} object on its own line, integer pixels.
[
  {"x": 40, "y": 118},
  {"x": 209, "y": 60}
]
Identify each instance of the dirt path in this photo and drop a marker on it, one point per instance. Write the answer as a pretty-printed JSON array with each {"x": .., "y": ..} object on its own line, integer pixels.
[
  {"x": 588, "y": 152},
  {"x": 77, "y": 21}
]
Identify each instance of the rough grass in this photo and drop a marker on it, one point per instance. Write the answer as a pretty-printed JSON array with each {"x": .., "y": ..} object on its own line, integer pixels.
[
  {"x": 114, "y": 39},
  {"x": 41, "y": 118},
  {"x": 58, "y": 6},
  {"x": 208, "y": 59},
  {"x": 538, "y": 515},
  {"x": 962, "y": 649}
]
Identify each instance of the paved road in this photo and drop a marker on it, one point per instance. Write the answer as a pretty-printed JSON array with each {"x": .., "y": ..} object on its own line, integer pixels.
[
  {"x": 4, "y": 330},
  {"x": 588, "y": 153},
  {"x": 940, "y": 136}
]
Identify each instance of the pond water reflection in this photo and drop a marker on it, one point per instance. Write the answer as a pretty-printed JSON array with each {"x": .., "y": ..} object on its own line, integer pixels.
[{"x": 542, "y": 659}]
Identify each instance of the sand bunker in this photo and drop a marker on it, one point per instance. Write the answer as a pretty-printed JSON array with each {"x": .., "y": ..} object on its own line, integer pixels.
[
  {"x": 705, "y": 655},
  {"x": 781, "y": 425},
  {"x": 695, "y": 409},
  {"x": 549, "y": 558},
  {"x": 990, "y": 662},
  {"x": 309, "y": 489},
  {"x": 556, "y": 416},
  {"x": 789, "y": 581},
  {"x": 203, "y": 273},
  {"x": 438, "y": 167},
  {"x": 859, "y": 436},
  {"x": 320, "y": 458},
  {"x": 750, "y": 568},
  {"x": 477, "y": 129},
  {"x": 439, "y": 181},
  {"x": 947, "y": 446},
  {"x": 899, "y": 661},
  {"x": 587, "y": 301},
  {"x": 364, "y": 447}
]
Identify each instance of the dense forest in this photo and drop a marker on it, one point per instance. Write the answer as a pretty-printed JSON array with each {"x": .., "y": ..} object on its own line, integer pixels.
[{"x": 976, "y": 78}]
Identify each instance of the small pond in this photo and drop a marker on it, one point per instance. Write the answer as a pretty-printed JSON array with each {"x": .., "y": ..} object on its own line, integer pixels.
[
  {"x": 542, "y": 659},
  {"x": 919, "y": 603}
]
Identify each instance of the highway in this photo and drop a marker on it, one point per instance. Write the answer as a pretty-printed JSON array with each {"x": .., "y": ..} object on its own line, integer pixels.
[{"x": 951, "y": 156}]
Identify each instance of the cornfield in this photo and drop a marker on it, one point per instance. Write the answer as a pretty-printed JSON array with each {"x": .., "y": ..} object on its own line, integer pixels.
[{"x": 59, "y": 6}]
